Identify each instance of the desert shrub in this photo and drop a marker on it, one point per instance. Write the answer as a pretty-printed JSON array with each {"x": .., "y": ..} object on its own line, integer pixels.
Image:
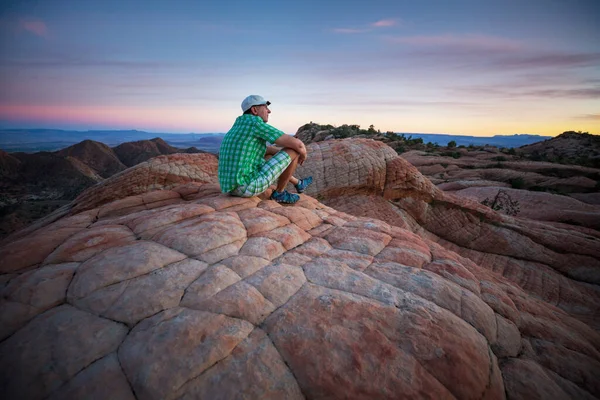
[
  {"x": 517, "y": 183},
  {"x": 452, "y": 144},
  {"x": 537, "y": 156},
  {"x": 499, "y": 158},
  {"x": 502, "y": 202},
  {"x": 400, "y": 149},
  {"x": 453, "y": 154},
  {"x": 445, "y": 165},
  {"x": 512, "y": 151},
  {"x": 410, "y": 141}
]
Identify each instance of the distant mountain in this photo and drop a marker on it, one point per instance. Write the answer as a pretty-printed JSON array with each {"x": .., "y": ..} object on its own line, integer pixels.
[
  {"x": 96, "y": 155},
  {"x": 507, "y": 141},
  {"x": 133, "y": 153},
  {"x": 34, "y": 140}
]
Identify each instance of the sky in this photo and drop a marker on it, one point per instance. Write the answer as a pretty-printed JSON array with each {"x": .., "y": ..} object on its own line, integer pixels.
[{"x": 467, "y": 67}]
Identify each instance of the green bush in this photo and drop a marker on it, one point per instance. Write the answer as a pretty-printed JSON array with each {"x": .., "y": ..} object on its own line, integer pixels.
[
  {"x": 452, "y": 144},
  {"x": 517, "y": 183}
]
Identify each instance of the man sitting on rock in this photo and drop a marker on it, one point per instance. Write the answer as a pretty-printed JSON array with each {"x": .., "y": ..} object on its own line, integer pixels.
[{"x": 243, "y": 170}]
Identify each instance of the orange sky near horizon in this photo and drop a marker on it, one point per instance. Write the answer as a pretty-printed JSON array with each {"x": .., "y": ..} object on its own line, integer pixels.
[{"x": 180, "y": 120}]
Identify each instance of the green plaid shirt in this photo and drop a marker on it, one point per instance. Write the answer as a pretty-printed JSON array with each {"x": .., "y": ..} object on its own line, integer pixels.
[{"x": 242, "y": 152}]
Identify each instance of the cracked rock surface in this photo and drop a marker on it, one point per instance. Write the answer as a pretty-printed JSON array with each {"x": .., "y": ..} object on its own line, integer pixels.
[{"x": 188, "y": 293}]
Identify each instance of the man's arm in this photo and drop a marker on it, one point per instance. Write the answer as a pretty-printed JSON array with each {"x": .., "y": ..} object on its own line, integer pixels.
[
  {"x": 292, "y": 143},
  {"x": 272, "y": 150}
]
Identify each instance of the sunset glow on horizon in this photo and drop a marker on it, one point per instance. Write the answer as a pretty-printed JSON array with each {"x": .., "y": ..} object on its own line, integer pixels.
[{"x": 471, "y": 68}]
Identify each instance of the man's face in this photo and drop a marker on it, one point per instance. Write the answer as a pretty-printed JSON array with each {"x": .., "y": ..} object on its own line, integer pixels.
[{"x": 263, "y": 112}]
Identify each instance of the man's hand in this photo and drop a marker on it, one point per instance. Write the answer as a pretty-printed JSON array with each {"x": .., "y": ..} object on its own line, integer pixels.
[
  {"x": 291, "y": 142},
  {"x": 302, "y": 154}
]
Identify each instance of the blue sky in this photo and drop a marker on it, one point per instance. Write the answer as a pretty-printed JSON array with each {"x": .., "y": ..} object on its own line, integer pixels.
[{"x": 461, "y": 67}]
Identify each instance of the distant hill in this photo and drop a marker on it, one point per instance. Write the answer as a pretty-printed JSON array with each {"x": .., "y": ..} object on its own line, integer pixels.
[
  {"x": 34, "y": 184},
  {"x": 570, "y": 147}
]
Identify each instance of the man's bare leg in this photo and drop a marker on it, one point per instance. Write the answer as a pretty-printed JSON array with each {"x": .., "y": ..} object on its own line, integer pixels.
[{"x": 286, "y": 175}]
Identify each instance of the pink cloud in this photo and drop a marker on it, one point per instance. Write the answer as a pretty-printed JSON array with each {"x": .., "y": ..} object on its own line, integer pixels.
[
  {"x": 468, "y": 41},
  {"x": 384, "y": 23},
  {"x": 35, "y": 26},
  {"x": 379, "y": 24}
]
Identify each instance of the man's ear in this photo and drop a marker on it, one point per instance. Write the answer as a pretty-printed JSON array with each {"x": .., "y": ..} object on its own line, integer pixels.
[{"x": 253, "y": 110}]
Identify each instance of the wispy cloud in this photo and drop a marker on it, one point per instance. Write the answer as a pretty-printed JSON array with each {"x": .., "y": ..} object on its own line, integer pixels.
[
  {"x": 383, "y": 23},
  {"x": 349, "y": 30},
  {"x": 514, "y": 92},
  {"x": 66, "y": 61},
  {"x": 459, "y": 41},
  {"x": 35, "y": 26},
  {"x": 589, "y": 117},
  {"x": 552, "y": 60}
]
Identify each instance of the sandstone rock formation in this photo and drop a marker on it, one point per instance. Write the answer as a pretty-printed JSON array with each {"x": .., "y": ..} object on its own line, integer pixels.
[
  {"x": 479, "y": 165},
  {"x": 540, "y": 258},
  {"x": 541, "y": 206},
  {"x": 163, "y": 172},
  {"x": 188, "y": 293}
]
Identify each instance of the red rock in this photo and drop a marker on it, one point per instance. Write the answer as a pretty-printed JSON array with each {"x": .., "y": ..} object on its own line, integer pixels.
[
  {"x": 162, "y": 172},
  {"x": 278, "y": 282},
  {"x": 52, "y": 349},
  {"x": 90, "y": 242},
  {"x": 101, "y": 380},
  {"x": 202, "y": 234},
  {"x": 256, "y": 359},
  {"x": 158, "y": 362},
  {"x": 339, "y": 345},
  {"x": 445, "y": 298},
  {"x": 20, "y": 255},
  {"x": 257, "y": 220}
]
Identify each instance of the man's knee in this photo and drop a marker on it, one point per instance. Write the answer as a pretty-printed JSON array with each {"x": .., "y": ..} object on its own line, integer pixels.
[{"x": 292, "y": 153}]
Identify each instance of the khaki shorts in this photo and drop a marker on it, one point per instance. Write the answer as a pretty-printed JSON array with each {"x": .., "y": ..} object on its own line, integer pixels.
[{"x": 267, "y": 176}]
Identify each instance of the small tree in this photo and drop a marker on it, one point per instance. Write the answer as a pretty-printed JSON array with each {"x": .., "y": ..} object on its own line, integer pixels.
[
  {"x": 503, "y": 202},
  {"x": 452, "y": 144}
]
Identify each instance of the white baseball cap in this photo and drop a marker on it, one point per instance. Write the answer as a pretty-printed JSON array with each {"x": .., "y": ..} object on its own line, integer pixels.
[{"x": 253, "y": 100}]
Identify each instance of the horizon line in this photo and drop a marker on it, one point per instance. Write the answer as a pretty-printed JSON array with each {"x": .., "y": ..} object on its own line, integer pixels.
[{"x": 223, "y": 133}]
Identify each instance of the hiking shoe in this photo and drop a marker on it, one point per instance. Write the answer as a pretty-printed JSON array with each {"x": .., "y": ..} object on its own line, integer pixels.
[
  {"x": 284, "y": 197},
  {"x": 303, "y": 184}
]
